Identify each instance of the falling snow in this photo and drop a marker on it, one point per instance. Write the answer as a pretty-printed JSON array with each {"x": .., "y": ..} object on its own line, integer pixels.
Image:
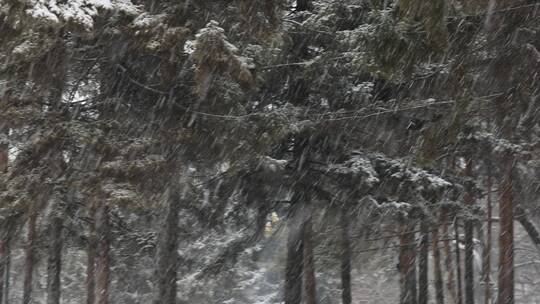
[{"x": 269, "y": 152}]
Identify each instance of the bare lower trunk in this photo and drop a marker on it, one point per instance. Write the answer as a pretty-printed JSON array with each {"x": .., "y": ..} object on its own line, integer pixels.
[
  {"x": 91, "y": 258},
  {"x": 423, "y": 266},
  {"x": 3, "y": 268},
  {"x": 450, "y": 282},
  {"x": 294, "y": 266},
  {"x": 469, "y": 266},
  {"x": 407, "y": 269},
  {"x": 167, "y": 255},
  {"x": 102, "y": 263},
  {"x": 346, "y": 295},
  {"x": 309, "y": 266},
  {"x": 506, "y": 239},
  {"x": 489, "y": 237},
  {"x": 29, "y": 259},
  {"x": 4, "y": 234},
  {"x": 7, "y": 273},
  {"x": 54, "y": 263},
  {"x": 469, "y": 246},
  {"x": 458, "y": 263},
  {"x": 437, "y": 271}
]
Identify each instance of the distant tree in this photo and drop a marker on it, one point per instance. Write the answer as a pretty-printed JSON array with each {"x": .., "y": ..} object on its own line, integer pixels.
[
  {"x": 407, "y": 264},
  {"x": 423, "y": 264}
]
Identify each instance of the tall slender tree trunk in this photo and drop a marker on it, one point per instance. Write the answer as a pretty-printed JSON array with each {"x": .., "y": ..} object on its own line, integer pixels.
[
  {"x": 458, "y": 262},
  {"x": 310, "y": 286},
  {"x": 506, "y": 238},
  {"x": 450, "y": 282},
  {"x": 489, "y": 238},
  {"x": 407, "y": 263},
  {"x": 346, "y": 295},
  {"x": 56, "y": 61},
  {"x": 7, "y": 271},
  {"x": 29, "y": 258},
  {"x": 167, "y": 254},
  {"x": 423, "y": 266},
  {"x": 3, "y": 268},
  {"x": 54, "y": 263},
  {"x": 469, "y": 244},
  {"x": 437, "y": 270},
  {"x": 294, "y": 265},
  {"x": 4, "y": 235},
  {"x": 102, "y": 263},
  {"x": 91, "y": 257}
]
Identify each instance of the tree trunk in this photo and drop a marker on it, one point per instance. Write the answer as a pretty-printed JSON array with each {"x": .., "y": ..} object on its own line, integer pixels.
[
  {"x": 91, "y": 258},
  {"x": 4, "y": 235},
  {"x": 3, "y": 268},
  {"x": 303, "y": 5},
  {"x": 346, "y": 295},
  {"x": 529, "y": 226},
  {"x": 310, "y": 286},
  {"x": 54, "y": 263},
  {"x": 469, "y": 263},
  {"x": 450, "y": 282},
  {"x": 506, "y": 238},
  {"x": 294, "y": 265},
  {"x": 487, "y": 249},
  {"x": 29, "y": 258},
  {"x": 7, "y": 273},
  {"x": 4, "y": 148},
  {"x": 458, "y": 263},
  {"x": 407, "y": 263},
  {"x": 102, "y": 265},
  {"x": 437, "y": 271},
  {"x": 469, "y": 244},
  {"x": 167, "y": 254},
  {"x": 423, "y": 267}
]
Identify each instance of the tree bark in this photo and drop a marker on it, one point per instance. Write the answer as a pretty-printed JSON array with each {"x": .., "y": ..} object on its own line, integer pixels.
[
  {"x": 3, "y": 270},
  {"x": 407, "y": 269},
  {"x": 29, "y": 258},
  {"x": 489, "y": 238},
  {"x": 458, "y": 263},
  {"x": 91, "y": 257},
  {"x": 102, "y": 265},
  {"x": 423, "y": 267},
  {"x": 54, "y": 263},
  {"x": 4, "y": 149},
  {"x": 437, "y": 271},
  {"x": 469, "y": 244},
  {"x": 310, "y": 286},
  {"x": 303, "y": 5},
  {"x": 294, "y": 265},
  {"x": 167, "y": 255},
  {"x": 506, "y": 238},
  {"x": 346, "y": 295},
  {"x": 4, "y": 234},
  {"x": 469, "y": 263},
  {"x": 7, "y": 272},
  {"x": 450, "y": 282},
  {"x": 529, "y": 226}
]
